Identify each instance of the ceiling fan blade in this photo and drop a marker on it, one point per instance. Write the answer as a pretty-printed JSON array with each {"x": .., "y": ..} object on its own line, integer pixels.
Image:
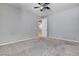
[
  {"x": 47, "y": 7},
  {"x": 39, "y": 3},
  {"x": 47, "y": 3},
  {"x": 36, "y": 7}
]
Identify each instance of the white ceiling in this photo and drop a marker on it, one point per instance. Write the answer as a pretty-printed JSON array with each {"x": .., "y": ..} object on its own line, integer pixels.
[{"x": 55, "y": 7}]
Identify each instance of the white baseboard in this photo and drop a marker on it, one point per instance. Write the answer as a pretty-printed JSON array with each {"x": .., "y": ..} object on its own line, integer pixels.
[
  {"x": 16, "y": 41},
  {"x": 60, "y": 38}
]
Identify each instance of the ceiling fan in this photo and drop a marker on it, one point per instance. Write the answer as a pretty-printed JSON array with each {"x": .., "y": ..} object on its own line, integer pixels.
[{"x": 43, "y": 6}]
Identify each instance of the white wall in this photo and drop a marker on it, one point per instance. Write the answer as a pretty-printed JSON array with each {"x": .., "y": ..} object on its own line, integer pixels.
[
  {"x": 64, "y": 24},
  {"x": 15, "y": 24},
  {"x": 28, "y": 24},
  {"x": 9, "y": 19}
]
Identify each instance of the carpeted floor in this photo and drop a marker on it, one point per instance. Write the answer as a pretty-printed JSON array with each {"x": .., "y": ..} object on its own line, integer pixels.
[{"x": 41, "y": 47}]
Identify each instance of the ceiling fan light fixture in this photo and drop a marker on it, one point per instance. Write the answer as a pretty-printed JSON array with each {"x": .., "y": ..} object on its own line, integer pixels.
[{"x": 43, "y": 6}]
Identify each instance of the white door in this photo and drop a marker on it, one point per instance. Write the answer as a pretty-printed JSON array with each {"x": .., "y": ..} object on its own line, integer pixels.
[{"x": 44, "y": 27}]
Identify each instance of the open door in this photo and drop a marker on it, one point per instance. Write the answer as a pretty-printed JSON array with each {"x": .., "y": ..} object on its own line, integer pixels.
[{"x": 42, "y": 27}]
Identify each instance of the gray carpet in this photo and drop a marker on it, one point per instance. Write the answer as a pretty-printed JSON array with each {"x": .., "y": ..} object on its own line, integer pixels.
[{"x": 41, "y": 47}]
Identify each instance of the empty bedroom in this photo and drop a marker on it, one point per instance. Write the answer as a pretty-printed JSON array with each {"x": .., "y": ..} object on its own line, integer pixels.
[{"x": 39, "y": 29}]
